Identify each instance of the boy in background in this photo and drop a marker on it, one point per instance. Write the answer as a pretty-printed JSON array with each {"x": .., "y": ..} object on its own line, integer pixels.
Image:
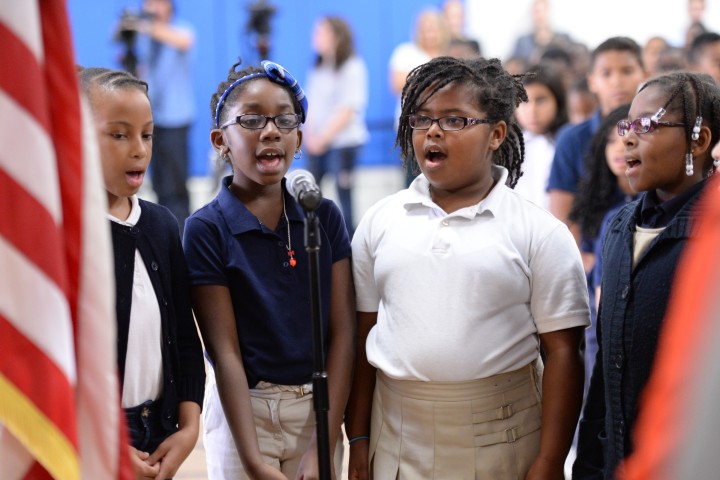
[
  {"x": 704, "y": 55},
  {"x": 616, "y": 72}
]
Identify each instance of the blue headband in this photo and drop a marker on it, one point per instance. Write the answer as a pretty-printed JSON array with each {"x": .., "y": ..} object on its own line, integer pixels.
[{"x": 276, "y": 73}]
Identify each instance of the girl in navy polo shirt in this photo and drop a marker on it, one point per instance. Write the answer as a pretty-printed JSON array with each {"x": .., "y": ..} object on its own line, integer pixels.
[
  {"x": 159, "y": 353},
  {"x": 672, "y": 124},
  {"x": 251, "y": 292}
]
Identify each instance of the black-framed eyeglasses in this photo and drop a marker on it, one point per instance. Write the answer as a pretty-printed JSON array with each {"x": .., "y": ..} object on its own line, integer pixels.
[
  {"x": 449, "y": 123},
  {"x": 642, "y": 125},
  {"x": 255, "y": 121}
]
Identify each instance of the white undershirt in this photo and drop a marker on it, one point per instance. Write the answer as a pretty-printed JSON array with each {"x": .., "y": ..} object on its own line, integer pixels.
[
  {"x": 641, "y": 240},
  {"x": 143, "y": 363}
]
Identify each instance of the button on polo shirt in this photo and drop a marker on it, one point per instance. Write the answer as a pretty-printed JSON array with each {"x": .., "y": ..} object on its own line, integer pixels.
[{"x": 463, "y": 295}]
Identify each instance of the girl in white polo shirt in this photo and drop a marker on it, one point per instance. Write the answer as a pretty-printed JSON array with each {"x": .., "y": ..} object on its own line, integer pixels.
[{"x": 459, "y": 283}]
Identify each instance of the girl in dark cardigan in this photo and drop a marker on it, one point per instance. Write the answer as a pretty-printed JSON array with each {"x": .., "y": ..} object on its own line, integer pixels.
[
  {"x": 672, "y": 124},
  {"x": 159, "y": 353}
]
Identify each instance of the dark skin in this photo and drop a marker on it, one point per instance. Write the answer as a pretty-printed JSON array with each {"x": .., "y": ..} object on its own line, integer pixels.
[
  {"x": 216, "y": 319},
  {"x": 357, "y": 416},
  {"x": 460, "y": 178},
  {"x": 260, "y": 159},
  {"x": 562, "y": 386}
]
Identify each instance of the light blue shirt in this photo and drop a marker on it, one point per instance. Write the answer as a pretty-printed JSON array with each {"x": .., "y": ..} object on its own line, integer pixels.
[{"x": 168, "y": 73}]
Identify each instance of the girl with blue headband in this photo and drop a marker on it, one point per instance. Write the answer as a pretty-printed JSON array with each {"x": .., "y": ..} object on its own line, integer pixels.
[{"x": 249, "y": 274}]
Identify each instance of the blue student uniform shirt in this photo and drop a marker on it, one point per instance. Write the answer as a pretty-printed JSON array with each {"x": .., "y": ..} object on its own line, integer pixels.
[
  {"x": 225, "y": 244},
  {"x": 572, "y": 144}
]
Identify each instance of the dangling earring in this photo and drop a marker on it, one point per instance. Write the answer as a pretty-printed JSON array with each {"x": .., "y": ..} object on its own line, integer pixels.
[
  {"x": 696, "y": 129},
  {"x": 298, "y": 154},
  {"x": 689, "y": 169}
]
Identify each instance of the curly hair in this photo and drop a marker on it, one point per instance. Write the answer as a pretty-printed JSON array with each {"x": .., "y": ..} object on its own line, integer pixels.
[
  {"x": 597, "y": 190},
  {"x": 694, "y": 95},
  {"x": 233, "y": 75},
  {"x": 499, "y": 94}
]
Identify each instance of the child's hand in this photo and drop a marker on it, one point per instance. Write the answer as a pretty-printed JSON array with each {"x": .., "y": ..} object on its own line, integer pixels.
[
  {"x": 268, "y": 472},
  {"x": 140, "y": 466},
  {"x": 308, "y": 468},
  {"x": 358, "y": 465},
  {"x": 172, "y": 452},
  {"x": 543, "y": 469}
]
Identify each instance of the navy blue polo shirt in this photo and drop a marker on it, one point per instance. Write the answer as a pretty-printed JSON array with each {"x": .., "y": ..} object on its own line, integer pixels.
[
  {"x": 573, "y": 142},
  {"x": 225, "y": 244}
]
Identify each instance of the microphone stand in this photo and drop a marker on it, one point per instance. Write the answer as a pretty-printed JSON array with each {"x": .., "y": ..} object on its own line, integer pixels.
[{"x": 320, "y": 386}]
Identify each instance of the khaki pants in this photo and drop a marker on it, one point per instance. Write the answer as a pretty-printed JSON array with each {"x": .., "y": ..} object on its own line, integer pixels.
[
  {"x": 284, "y": 421},
  {"x": 481, "y": 429}
]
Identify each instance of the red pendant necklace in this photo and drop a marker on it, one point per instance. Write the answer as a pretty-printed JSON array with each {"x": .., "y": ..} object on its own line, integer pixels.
[{"x": 290, "y": 251}]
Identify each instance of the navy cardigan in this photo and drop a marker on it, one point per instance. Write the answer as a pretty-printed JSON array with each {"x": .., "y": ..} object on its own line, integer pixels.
[
  {"x": 632, "y": 308},
  {"x": 156, "y": 235}
]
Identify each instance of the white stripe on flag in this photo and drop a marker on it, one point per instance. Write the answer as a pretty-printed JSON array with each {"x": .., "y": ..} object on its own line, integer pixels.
[
  {"x": 28, "y": 155},
  {"x": 28, "y": 299},
  {"x": 98, "y": 389},
  {"x": 23, "y": 19}
]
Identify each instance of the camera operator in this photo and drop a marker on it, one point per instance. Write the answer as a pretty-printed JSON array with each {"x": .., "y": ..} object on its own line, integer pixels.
[{"x": 164, "y": 46}]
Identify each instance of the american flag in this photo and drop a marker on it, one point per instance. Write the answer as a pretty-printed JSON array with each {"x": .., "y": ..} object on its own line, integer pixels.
[{"x": 60, "y": 414}]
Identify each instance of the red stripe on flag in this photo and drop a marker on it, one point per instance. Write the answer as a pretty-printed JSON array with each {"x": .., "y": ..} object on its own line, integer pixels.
[
  {"x": 23, "y": 80},
  {"x": 66, "y": 122},
  {"x": 53, "y": 396},
  {"x": 47, "y": 89},
  {"x": 62, "y": 86},
  {"x": 37, "y": 472},
  {"x": 28, "y": 226}
]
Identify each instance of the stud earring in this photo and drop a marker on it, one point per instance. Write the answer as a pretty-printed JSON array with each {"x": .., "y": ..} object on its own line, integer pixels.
[
  {"x": 298, "y": 154},
  {"x": 689, "y": 169},
  {"x": 696, "y": 129}
]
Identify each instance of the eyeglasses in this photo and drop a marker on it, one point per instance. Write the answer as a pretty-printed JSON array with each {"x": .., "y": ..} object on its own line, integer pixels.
[
  {"x": 254, "y": 121},
  {"x": 642, "y": 125},
  {"x": 449, "y": 123}
]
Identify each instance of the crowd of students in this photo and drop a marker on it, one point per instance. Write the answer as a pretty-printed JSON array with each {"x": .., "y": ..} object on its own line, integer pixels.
[{"x": 456, "y": 316}]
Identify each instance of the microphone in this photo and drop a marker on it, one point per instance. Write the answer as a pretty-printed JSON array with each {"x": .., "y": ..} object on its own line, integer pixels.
[{"x": 301, "y": 185}]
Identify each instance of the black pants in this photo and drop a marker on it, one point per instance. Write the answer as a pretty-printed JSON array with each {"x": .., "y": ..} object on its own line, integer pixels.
[{"x": 169, "y": 168}]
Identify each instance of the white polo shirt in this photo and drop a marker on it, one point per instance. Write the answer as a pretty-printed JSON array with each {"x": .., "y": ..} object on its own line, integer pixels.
[{"x": 463, "y": 296}]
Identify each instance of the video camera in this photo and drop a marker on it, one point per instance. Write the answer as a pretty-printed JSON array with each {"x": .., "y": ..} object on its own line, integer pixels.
[
  {"x": 127, "y": 35},
  {"x": 128, "y": 25}
]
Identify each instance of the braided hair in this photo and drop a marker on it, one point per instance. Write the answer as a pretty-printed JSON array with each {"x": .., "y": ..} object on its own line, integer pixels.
[
  {"x": 233, "y": 75},
  {"x": 695, "y": 95},
  {"x": 597, "y": 192},
  {"x": 499, "y": 93},
  {"x": 109, "y": 79}
]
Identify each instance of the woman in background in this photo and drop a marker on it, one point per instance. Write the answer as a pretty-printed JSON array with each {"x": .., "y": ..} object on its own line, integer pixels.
[{"x": 338, "y": 87}]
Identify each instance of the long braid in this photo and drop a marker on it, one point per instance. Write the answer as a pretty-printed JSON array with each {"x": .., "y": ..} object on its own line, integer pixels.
[
  {"x": 499, "y": 94},
  {"x": 597, "y": 191},
  {"x": 700, "y": 97}
]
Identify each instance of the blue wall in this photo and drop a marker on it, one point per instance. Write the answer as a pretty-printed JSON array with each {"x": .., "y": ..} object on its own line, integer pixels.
[{"x": 220, "y": 25}]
